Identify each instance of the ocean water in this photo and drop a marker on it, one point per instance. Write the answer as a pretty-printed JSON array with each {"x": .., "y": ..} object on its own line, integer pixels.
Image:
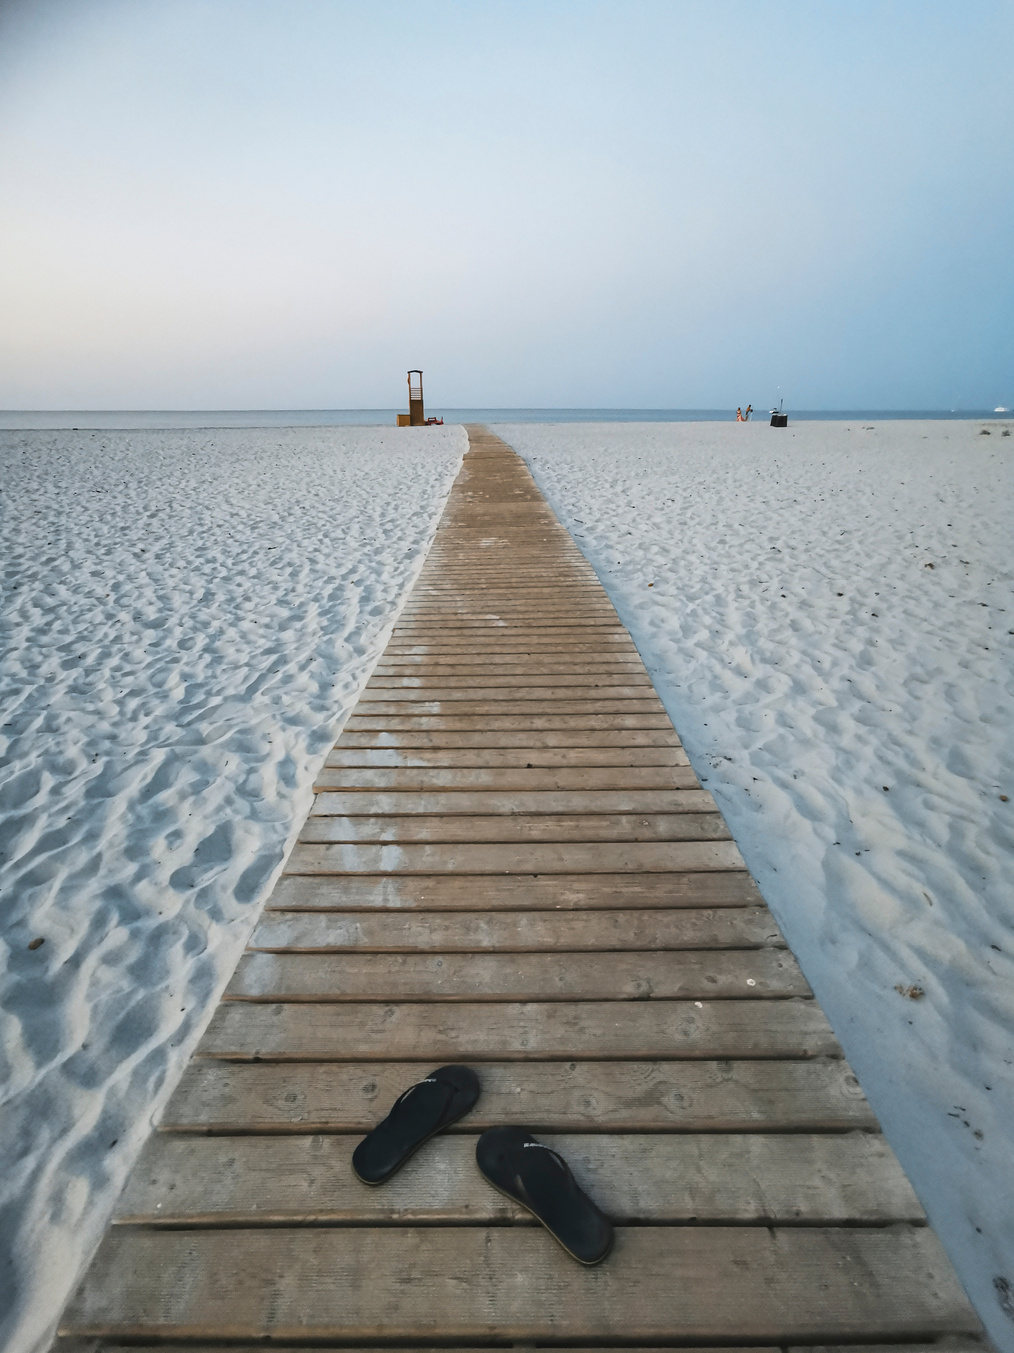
[{"x": 259, "y": 418}]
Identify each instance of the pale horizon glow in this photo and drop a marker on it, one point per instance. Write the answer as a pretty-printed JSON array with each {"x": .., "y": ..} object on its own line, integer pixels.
[{"x": 235, "y": 204}]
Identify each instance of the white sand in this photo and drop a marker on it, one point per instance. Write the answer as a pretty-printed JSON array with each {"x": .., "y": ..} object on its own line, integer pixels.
[
  {"x": 852, "y": 710},
  {"x": 188, "y": 616}
]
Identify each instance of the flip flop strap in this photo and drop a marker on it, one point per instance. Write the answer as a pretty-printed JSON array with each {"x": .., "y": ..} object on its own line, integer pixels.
[
  {"x": 430, "y": 1080},
  {"x": 561, "y": 1163},
  {"x": 527, "y": 1146}
]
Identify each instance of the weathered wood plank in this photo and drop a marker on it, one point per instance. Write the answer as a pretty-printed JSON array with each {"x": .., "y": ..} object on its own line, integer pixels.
[
  {"x": 450, "y": 576},
  {"x": 474, "y": 611},
  {"x": 574, "y": 575},
  {"x": 628, "y": 766},
  {"x": 517, "y": 931},
  {"x": 437, "y": 586},
  {"x": 657, "y": 1178},
  {"x": 519, "y": 1030},
  {"x": 71, "y": 1344},
  {"x": 951, "y": 1344},
  {"x": 511, "y": 634},
  {"x": 491, "y": 601},
  {"x": 447, "y": 589},
  {"x": 552, "y": 682},
  {"x": 359, "y": 802},
  {"x": 657, "y": 739},
  {"x": 504, "y": 706},
  {"x": 591, "y": 623},
  {"x": 402, "y": 693},
  {"x": 511, "y": 1282},
  {"x": 538, "y": 858},
  {"x": 503, "y": 828},
  {"x": 427, "y": 774},
  {"x": 519, "y": 646},
  {"x": 468, "y": 602},
  {"x": 610, "y": 637},
  {"x": 448, "y": 892},
  {"x": 430, "y": 590},
  {"x": 572, "y": 1096},
  {"x": 627, "y": 666},
  {"x": 719, "y": 974},
  {"x": 504, "y": 722}
]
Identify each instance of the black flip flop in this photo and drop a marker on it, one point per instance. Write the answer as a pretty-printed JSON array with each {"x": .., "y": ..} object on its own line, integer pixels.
[
  {"x": 538, "y": 1178},
  {"x": 420, "y": 1113}
]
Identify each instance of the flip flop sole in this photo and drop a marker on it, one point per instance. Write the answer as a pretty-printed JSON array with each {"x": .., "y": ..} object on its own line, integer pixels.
[
  {"x": 464, "y": 1087},
  {"x": 500, "y": 1157},
  {"x": 588, "y": 1263}
]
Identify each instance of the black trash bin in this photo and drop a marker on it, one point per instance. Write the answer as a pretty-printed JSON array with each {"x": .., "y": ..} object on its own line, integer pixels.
[{"x": 779, "y": 420}]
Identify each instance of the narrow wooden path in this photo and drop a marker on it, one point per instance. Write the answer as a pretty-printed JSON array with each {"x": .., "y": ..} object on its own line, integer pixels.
[{"x": 511, "y": 863}]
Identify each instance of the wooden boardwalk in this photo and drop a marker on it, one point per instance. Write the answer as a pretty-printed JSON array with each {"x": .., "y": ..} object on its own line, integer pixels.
[{"x": 510, "y": 863}]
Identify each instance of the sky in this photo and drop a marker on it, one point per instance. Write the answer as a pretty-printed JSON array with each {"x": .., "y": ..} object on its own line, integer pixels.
[{"x": 231, "y": 204}]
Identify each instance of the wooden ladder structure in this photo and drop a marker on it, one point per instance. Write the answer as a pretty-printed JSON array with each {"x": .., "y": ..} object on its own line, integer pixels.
[{"x": 510, "y": 863}]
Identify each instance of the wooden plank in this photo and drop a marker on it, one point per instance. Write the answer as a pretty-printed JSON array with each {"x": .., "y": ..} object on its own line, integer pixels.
[
  {"x": 518, "y": 1030},
  {"x": 509, "y": 648},
  {"x": 448, "y": 801},
  {"x": 626, "y": 665},
  {"x": 407, "y": 773},
  {"x": 440, "y": 586},
  {"x": 953, "y": 1344},
  {"x": 517, "y": 828},
  {"x": 479, "y": 614},
  {"x": 537, "y": 554},
  {"x": 416, "y": 705},
  {"x": 71, "y": 1344},
  {"x": 476, "y": 590},
  {"x": 495, "y": 605},
  {"x": 516, "y": 681},
  {"x": 486, "y": 591},
  {"x": 442, "y": 582},
  {"x": 519, "y": 758},
  {"x": 611, "y": 656},
  {"x": 504, "y": 722},
  {"x": 449, "y": 892},
  {"x": 599, "y": 857},
  {"x": 614, "y": 661},
  {"x": 532, "y": 622},
  {"x": 658, "y": 1178},
  {"x": 451, "y": 583},
  {"x": 486, "y": 597},
  {"x": 530, "y": 739},
  {"x": 474, "y": 610},
  {"x": 387, "y": 690},
  {"x": 498, "y": 634},
  {"x": 517, "y": 931},
  {"x": 572, "y": 1096},
  {"x": 714, "y": 974},
  {"x": 511, "y": 1282},
  {"x": 510, "y": 669},
  {"x": 504, "y": 644}
]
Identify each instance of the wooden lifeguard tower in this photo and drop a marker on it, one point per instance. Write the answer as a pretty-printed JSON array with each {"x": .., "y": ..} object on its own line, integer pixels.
[{"x": 416, "y": 417}]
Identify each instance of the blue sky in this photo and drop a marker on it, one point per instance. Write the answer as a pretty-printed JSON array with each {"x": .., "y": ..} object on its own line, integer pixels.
[{"x": 242, "y": 204}]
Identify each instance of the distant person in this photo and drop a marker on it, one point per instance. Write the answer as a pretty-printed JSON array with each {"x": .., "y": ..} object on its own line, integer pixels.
[
  {"x": 739, "y": 416},
  {"x": 749, "y": 411}
]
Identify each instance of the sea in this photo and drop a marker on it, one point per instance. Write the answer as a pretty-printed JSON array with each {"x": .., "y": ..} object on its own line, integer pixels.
[{"x": 138, "y": 419}]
